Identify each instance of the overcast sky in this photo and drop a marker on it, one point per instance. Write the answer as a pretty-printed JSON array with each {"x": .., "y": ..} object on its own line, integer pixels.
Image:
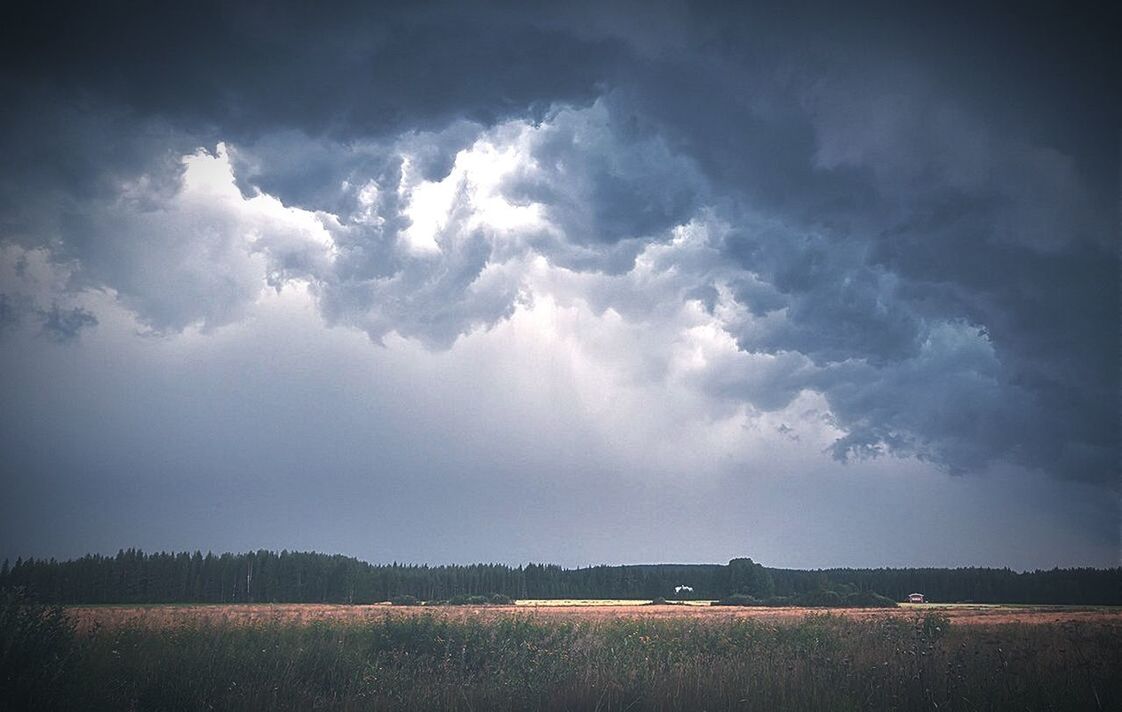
[{"x": 597, "y": 283}]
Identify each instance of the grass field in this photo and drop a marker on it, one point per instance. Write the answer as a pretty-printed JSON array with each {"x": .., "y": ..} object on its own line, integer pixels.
[
  {"x": 169, "y": 615},
  {"x": 611, "y": 656}
]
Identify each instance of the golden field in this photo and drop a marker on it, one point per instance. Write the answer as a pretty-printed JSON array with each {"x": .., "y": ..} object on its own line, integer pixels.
[{"x": 172, "y": 615}]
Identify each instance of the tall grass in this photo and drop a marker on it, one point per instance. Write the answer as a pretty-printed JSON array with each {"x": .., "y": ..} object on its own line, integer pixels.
[
  {"x": 429, "y": 662},
  {"x": 37, "y": 653}
]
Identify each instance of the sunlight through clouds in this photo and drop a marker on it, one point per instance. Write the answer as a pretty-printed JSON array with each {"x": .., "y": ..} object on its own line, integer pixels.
[{"x": 396, "y": 258}]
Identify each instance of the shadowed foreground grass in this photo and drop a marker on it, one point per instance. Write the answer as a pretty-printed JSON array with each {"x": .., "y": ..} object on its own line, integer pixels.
[{"x": 425, "y": 662}]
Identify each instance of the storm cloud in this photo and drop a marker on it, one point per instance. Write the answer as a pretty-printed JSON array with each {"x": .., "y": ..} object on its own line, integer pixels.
[{"x": 887, "y": 239}]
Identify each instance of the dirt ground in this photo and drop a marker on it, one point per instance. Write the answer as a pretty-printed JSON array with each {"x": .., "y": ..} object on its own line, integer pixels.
[{"x": 246, "y": 614}]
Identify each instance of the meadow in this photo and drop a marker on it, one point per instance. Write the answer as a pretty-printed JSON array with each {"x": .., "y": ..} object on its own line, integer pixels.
[
  {"x": 582, "y": 610},
  {"x": 553, "y": 658}
]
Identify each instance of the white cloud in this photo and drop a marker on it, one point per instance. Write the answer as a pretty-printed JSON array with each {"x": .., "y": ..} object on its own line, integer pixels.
[
  {"x": 199, "y": 256},
  {"x": 545, "y": 233}
]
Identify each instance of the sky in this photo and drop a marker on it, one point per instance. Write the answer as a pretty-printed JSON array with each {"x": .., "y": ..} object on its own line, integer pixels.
[{"x": 571, "y": 282}]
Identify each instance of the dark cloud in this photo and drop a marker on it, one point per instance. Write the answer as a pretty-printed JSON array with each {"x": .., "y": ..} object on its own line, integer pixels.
[
  {"x": 345, "y": 70},
  {"x": 912, "y": 212},
  {"x": 66, "y": 324},
  {"x": 9, "y": 313},
  {"x": 606, "y": 178}
]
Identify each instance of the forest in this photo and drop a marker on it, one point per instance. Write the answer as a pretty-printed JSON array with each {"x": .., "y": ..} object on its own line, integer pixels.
[{"x": 134, "y": 576}]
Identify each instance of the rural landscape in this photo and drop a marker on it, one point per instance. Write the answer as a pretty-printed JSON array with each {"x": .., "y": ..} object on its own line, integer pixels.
[
  {"x": 310, "y": 631},
  {"x": 578, "y": 356}
]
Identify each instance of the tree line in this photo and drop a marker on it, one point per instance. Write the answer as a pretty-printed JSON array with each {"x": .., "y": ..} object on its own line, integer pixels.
[{"x": 134, "y": 576}]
